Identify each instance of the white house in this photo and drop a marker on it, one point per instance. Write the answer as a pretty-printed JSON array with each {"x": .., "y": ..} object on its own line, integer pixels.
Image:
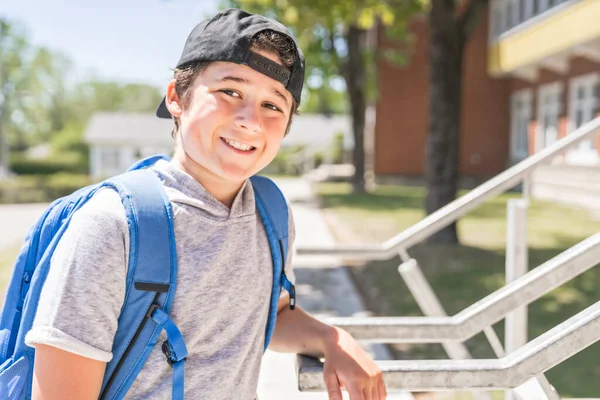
[{"x": 117, "y": 140}]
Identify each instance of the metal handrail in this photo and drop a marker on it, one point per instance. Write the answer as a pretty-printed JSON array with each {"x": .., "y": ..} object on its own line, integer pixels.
[
  {"x": 481, "y": 315},
  {"x": 486, "y": 312},
  {"x": 443, "y": 217},
  {"x": 511, "y": 371}
]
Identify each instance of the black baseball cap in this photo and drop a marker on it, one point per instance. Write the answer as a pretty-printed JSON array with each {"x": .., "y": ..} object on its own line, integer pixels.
[{"x": 227, "y": 37}]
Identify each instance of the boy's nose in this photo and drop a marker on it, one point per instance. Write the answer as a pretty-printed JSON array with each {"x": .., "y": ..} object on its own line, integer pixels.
[{"x": 248, "y": 119}]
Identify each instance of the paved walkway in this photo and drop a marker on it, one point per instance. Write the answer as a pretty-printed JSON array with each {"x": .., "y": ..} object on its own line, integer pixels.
[
  {"x": 15, "y": 221},
  {"x": 322, "y": 289}
]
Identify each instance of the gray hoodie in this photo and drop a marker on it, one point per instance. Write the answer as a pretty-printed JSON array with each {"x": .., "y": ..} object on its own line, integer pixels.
[{"x": 223, "y": 289}]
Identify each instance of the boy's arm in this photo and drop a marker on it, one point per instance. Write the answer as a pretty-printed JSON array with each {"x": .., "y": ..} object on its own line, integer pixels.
[
  {"x": 347, "y": 365},
  {"x": 60, "y": 375}
]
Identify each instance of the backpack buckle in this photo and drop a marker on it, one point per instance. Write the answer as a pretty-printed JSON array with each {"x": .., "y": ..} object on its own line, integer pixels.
[
  {"x": 153, "y": 307},
  {"x": 166, "y": 349}
]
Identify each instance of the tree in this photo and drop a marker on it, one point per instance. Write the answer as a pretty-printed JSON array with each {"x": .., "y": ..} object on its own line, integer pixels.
[
  {"x": 333, "y": 35},
  {"x": 326, "y": 100},
  {"x": 46, "y": 108},
  {"x": 31, "y": 81},
  {"x": 12, "y": 46},
  {"x": 450, "y": 30}
]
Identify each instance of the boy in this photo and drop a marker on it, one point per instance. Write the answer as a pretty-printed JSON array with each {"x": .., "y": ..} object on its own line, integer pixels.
[{"x": 234, "y": 92}]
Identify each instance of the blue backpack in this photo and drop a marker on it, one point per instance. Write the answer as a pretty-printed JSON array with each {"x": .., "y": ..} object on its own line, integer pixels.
[{"x": 151, "y": 280}]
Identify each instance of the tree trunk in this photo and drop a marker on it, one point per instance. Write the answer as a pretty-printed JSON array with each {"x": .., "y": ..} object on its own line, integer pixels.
[
  {"x": 446, "y": 46},
  {"x": 355, "y": 77}
]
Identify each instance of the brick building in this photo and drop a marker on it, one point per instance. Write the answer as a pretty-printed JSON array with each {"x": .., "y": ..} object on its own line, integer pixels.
[{"x": 531, "y": 76}]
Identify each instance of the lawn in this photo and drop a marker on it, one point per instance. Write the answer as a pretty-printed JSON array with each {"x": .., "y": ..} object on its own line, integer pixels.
[{"x": 461, "y": 275}]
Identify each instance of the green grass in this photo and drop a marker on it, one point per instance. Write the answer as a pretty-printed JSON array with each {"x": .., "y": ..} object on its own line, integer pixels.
[{"x": 462, "y": 275}]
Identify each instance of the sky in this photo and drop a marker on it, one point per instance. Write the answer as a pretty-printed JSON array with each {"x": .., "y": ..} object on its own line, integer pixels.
[{"x": 134, "y": 41}]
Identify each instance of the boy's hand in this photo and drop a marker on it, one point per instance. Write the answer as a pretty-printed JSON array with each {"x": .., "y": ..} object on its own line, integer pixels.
[{"x": 348, "y": 366}]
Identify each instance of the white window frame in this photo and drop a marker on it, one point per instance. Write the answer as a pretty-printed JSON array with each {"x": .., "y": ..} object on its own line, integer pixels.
[
  {"x": 496, "y": 18},
  {"x": 520, "y": 117},
  {"x": 553, "y": 110},
  {"x": 590, "y": 105},
  {"x": 585, "y": 153},
  {"x": 110, "y": 159}
]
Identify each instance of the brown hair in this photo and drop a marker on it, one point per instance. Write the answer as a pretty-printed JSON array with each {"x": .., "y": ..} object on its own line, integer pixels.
[{"x": 268, "y": 41}]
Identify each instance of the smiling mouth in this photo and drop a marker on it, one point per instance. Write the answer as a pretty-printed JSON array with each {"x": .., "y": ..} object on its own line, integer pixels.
[{"x": 240, "y": 147}]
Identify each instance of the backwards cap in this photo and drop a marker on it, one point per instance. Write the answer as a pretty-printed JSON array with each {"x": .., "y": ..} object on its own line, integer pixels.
[{"x": 227, "y": 37}]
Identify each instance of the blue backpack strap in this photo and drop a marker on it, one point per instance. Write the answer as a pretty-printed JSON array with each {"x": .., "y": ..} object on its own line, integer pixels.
[
  {"x": 273, "y": 210},
  {"x": 147, "y": 162},
  {"x": 151, "y": 284}
]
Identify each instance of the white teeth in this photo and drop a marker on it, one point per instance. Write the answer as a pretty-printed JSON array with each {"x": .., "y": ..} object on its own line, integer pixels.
[{"x": 238, "y": 145}]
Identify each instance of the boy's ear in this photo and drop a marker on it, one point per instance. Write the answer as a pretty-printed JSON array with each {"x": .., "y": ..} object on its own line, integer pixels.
[{"x": 172, "y": 100}]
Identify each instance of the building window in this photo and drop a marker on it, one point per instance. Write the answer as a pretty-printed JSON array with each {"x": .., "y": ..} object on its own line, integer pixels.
[
  {"x": 520, "y": 116},
  {"x": 583, "y": 104},
  {"x": 507, "y": 14},
  {"x": 498, "y": 19},
  {"x": 535, "y": 7},
  {"x": 549, "y": 110}
]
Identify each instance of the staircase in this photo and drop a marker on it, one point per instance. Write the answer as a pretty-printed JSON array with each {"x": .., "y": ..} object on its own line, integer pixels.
[{"x": 520, "y": 366}]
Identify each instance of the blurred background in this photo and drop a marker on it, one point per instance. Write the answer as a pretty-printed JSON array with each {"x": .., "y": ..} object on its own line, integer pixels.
[{"x": 408, "y": 104}]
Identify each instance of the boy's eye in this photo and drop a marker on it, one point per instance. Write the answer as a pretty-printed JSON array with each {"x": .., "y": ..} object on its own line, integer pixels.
[
  {"x": 231, "y": 93},
  {"x": 272, "y": 107}
]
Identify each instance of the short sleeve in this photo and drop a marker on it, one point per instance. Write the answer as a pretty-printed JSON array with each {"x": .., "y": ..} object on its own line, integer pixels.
[{"x": 83, "y": 294}]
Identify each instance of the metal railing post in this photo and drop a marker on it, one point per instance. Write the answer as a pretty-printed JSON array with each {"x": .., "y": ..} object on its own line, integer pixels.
[
  {"x": 516, "y": 266},
  {"x": 431, "y": 307}
]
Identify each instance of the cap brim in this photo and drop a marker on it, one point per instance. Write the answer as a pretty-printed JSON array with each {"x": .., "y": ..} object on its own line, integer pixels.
[{"x": 162, "y": 111}]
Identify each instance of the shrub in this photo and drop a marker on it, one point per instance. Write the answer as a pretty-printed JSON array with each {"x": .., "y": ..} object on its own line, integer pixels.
[
  {"x": 41, "y": 188},
  {"x": 283, "y": 163},
  {"x": 319, "y": 158},
  {"x": 72, "y": 163},
  {"x": 338, "y": 149}
]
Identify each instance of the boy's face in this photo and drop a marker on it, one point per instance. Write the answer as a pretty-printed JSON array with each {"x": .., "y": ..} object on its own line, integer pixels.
[{"x": 234, "y": 121}]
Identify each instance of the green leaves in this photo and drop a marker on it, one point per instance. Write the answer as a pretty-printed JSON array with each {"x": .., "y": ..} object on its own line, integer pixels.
[
  {"x": 39, "y": 103},
  {"x": 320, "y": 27}
]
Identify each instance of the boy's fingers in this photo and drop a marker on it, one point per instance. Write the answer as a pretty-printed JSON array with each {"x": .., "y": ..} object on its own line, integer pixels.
[
  {"x": 375, "y": 392},
  {"x": 333, "y": 386},
  {"x": 382, "y": 389},
  {"x": 356, "y": 394}
]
